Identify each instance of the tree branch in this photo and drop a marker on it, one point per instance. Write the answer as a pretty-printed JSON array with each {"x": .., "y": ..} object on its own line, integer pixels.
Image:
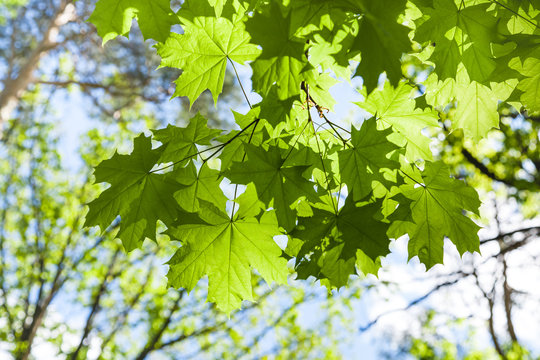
[
  {"x": 491, "y": 323},
  {"x": 153, "y": 341},
  {"x": 484, "y": 169},
  {"x": 507, "y": 297},
  {"x": 110, "y": 89},
  {"x": 95, "y": 306},
  {"x": 534, "y": 229},
  {"x": 122, "y": 317}
]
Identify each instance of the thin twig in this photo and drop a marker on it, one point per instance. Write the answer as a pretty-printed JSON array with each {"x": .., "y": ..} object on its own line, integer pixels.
[
  {"x": 332, "y": 125},
  {"x": 412, "y": 303},
  {"x": 305, "y": 87}
]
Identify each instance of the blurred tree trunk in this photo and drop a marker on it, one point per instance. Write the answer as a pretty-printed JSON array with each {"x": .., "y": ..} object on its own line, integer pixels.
[{"x": 15, "y": 85}]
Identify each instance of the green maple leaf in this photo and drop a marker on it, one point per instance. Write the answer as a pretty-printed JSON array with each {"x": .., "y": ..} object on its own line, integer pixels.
[
  {"x": 477, "y": 111},
  {"x": 367, "y": 265},
  {"x": 226, "y": 250},
  {"x": 477, "y": 104},
  {"x": 179, "y": 143},
  {"x": 330, "y": 30},
  {"x": 113, "y": 18},
  {"x": 277, "y": 186},
  {"x": 328, "y": 246},
  {"x": 363, "y": 164},
  {"x": 253, "y": 134},
  {"x": 354, "y": 226},
  {"x": 217, "y": 5},
  {"x": 436, "y": 211},
  {"x": 203, "y": 50},
  {"x": 530, "y": 85},
  {"x": 139, "y": 196},
  {"x": 381, "y": 40},
  {"x": 274, "y": 110},
  {"x": 395, "y": 108},
  {"x": 201, "y": 185},
  {"x": 282, "y": 59},
  {"x": 460, "y": 35},
  {"x": 249, "y": 202},
  {"x": 336, "y": 269}
]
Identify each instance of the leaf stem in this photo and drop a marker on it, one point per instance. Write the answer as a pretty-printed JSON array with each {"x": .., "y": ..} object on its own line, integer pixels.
[
  {"x": 185, "y": 158},
  {"x": 296, "y": 141},
  {"x": 240, "y": 82},
  {"x": 243, "y": 158},
  {"x": 516, "y": 13},
  {"x": 407, "y": 175},
  {"x": 219, "y": 147},
  {"x": 231, "y": 139}
]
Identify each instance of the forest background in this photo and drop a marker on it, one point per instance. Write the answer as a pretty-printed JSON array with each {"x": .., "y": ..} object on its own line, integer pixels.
[{"x": 68, "y": 102}]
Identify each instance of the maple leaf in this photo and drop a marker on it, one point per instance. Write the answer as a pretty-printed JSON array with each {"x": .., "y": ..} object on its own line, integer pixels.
[
  {"x": 530, "y": 85},
  {"x": 436, "y": 211},
  {"x": 336, "y": 270},
  {"x": 477, "y": 110},
  {"x": 354, "y": 226},
  {"x": 113, "y": 18},
  {"x": 395, "y": 108},
  {"x": 179, "y": 143},
  {"x": 477, "y": 104},
  {"x": 201, "y": 185},
  {"x": 203, "y": 50},
  {"x": 282, "y": 58},
  {"x": 328, "y": 245},
  {"x": 381, "y": 40},
  {"x": 226, "y": 250},
  {"x": 331, "y": 32},
  {"x": 362, "y": 164},
  {"x": 277, "y": 186},
  {"x": 461, "y": 35},
  {"x": 139, "y": 196}
]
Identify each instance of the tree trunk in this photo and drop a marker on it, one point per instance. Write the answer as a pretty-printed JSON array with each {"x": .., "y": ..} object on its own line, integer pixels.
[{"x": 15, "y": 87}]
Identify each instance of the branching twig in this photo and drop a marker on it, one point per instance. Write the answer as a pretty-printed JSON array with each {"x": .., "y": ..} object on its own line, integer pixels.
[
  {"x": 305, "y": 87},
  {"x": 413, "y": 303},
  {"x": 510, "y": 233}
]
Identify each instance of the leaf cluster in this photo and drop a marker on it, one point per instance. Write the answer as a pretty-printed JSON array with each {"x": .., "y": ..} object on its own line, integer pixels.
[{"x": 339, "y": 193}]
